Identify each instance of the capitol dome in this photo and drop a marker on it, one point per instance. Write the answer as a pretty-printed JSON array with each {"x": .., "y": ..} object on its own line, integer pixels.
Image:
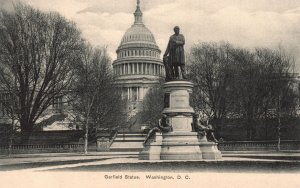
[
  {"x": 138, "y": 36},
  {"x": 138, "y": 33},
  {"x": 138, "y": 66}
]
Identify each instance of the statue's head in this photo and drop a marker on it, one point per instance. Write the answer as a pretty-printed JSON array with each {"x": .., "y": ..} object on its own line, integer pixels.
[{"x": 176, "y": 30}]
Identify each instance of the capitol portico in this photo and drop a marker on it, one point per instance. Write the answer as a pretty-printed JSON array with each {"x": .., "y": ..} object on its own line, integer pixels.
[{"x": 138, "y": 66}]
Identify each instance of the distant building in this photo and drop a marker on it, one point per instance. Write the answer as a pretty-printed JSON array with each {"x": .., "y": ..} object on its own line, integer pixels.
[
  {"x": 138, "y": 66},
  {"x": 54, "y": 116}
]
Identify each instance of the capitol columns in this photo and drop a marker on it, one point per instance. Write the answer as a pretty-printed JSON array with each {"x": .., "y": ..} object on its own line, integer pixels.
[{"x": 141, "y": 93}]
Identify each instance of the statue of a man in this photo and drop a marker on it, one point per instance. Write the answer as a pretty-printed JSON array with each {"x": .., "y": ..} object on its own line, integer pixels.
[{"x": 175, "y": 51}]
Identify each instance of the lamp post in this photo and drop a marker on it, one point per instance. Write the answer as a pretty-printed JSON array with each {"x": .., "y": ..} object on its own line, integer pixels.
[{"x": 279, "y": 123}]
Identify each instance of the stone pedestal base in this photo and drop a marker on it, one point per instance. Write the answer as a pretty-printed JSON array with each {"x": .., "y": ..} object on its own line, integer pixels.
[
  {"x": 181, "y": 143},
  {"x": 210, "y": 151},
  {"x": 152, "y": 150},
  {"x": 180, "y": 146},
  {"x": 181, "y": 123}
]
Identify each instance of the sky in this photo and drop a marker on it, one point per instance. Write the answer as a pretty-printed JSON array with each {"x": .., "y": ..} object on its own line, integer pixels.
[{"x": 244, "y": 23}]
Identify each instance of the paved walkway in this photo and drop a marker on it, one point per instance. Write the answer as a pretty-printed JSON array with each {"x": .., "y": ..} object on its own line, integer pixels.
[
  {"x": 60, "y": 157},
  {"x": 102, "y": 160},
  {"x": 66, "y": 154}
]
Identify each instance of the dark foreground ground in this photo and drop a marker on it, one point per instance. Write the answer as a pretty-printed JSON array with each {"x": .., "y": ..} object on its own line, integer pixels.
[{"x": 194, "y": 166}]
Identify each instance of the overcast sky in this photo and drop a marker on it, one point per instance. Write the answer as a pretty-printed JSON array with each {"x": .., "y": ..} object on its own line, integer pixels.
[{"x": 246, "y": 23}]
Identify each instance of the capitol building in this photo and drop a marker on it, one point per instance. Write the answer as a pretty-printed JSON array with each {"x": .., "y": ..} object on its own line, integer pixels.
[{"x": 138, "y": 66}]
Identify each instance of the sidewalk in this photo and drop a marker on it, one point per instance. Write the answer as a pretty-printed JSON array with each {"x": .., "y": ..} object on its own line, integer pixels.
[
  {"x": 135, "y": 153},
  {"x": 118, "y": 163},
  {"x": 94, "y": 156},
  {"x": 66, "y": 154},
  {"x": 48, "y": 158}
]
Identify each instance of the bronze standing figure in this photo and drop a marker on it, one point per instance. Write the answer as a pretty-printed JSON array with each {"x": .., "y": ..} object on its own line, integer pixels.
[{"x": 175, "y": 51}]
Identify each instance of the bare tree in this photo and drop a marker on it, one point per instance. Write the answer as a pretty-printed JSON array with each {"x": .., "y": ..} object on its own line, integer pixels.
[
  {"x": 96, "y": 100},
  {"x": 210, "y": 70},
  {"x": 260, "y": 78},
  {"x": 236, "y": 82},
  {"x": 153, "y": 105},
  {"x": 9, "y": 104},
  {"x": 37, "y": 50}
]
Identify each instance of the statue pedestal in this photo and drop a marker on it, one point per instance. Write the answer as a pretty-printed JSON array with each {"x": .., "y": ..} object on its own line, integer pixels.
[
  {"x": 177, "y": 105},
  {"x": 180, "y": 146},
  {"x": 172, "y": 146},
  {"x": 181, "y": 143}
]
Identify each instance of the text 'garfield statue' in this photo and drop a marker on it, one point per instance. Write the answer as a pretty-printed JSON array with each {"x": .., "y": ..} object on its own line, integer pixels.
[{"x": 174, "y": 57}]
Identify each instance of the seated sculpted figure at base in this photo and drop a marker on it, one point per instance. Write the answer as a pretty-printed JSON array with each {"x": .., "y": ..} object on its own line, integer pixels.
[
  {"x": 202, "y": 129},
  {"x": 163, "y": 127}
]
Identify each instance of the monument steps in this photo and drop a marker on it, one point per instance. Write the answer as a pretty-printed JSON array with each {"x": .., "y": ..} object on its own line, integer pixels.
[{"x": 131, "y": 141}]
